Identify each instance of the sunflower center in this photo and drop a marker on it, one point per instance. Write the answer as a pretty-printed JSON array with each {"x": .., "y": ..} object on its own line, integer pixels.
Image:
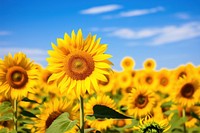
[
  {"x": 164, "y": 81},
  {"x": 127, "y": 63},
  {"x": 149, "y": 64},
  {"x": 149, "y": 80},
  {"x": 182, "y": 74},
  {"x": 51, "y": 118},
  {"x": 17, "y": 77},
  {"x": 187, "y": 90},
  {"x": 141, "y": 101},
  {"x": 79, "y": 65}
]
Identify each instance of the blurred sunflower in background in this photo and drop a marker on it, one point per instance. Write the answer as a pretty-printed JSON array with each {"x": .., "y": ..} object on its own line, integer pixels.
[
  {"x": 141, "y": 101},
  {"x": 18, "y": 76},
  {"x": 127, "y": 63},
  {"x": 78, "y": 64},
  {"x": 99, "y": 124},
  {"x": 53, "y": 109},
  {"x": 149, "y": 64},
  {"x": 187, "y": 91}
]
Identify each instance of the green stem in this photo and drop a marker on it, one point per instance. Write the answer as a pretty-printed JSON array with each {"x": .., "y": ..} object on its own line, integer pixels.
[
  {"x": 15, "y": 115},
  {"x": 81, "y": 115},
  {"x": 184, "y": 127}
]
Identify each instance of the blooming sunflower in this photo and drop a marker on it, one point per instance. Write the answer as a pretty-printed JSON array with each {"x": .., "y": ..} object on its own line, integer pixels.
[
  {"x": 51, "y": 110},
  {"x": 148, "y": 78},
  {"x": 187, "y": 70},
  {"x": 18, "y": 76},
  {"x": 187, "y": 91},
  {"x": 141, "y": 101},
  {"x": 165, "y": 82},
  {"x": 150, "y": 125},
  {"x": 77, "y": 64},
  {"x": 99, "y": 124},
  {"x": 149, "y": 64},
  {"x": 127, "y": 63},
  {"x": 124, "y": 79}
]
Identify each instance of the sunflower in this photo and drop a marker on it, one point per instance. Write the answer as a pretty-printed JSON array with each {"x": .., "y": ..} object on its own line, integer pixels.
[
  {"x": 141, "y": 101},
  {"x": 148, "y": 78},
  {"x": 187, "y": 91},
  {"x": 18, "y": 76},
  {"x": 127, "y": 63},
  {"x": 150, "y": 125},
  {"x": 77, "y": 64},
  {"x": 51, "y": 110},
  {"x": 165, "y": 82},
  {"x": 124, "y": 79},
  {"x": 187, "y": 70},
  {"x": 99, "y": 124},
  {"x": 149, "y": 64}
]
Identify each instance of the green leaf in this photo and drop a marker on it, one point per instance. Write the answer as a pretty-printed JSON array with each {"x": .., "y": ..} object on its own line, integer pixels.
[
  {"x": 102, "y": 111},
  {"x": 61, "y": 124},
  {"x": 29, "y": 100},
  {"x": 5, "y": 107},
  {"x": 195, "y": 115},
  {"x": 167, "y": 104},
  {"x": 6, "y": 117},
  {"x": 4, "y": 130},
  {"x": 27, "y": 113}
]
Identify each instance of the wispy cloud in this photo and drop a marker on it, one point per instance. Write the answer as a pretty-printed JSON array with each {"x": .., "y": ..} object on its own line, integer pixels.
[
  {"x": 160, "y": 35},
  {"x": 101, "y": 9},
  {"x": 177, "y": 33},
  {"x": 182, "y": 15},
  {"x": 38, "y": 55},
  {"x": 140, "y": 12},
  {"x": 136, "y": 12},
  {"x": 5, "y": 33}
]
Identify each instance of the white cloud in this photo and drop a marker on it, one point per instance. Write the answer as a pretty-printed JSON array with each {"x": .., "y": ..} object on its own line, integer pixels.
[
  {"x": 101, "y": 9},
  {"x": 160, "y": 35},
  {"x": 140, "y": 12},
  {"x": 38, "y": 55},
  {"x": 4, "y": 33},
  {"x": 182, "y": 15},
  {"x": 177, "y": 33}
]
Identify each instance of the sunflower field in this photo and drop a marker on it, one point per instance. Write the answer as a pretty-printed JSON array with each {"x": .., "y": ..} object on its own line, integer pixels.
[{"x": 79, "y": 92}]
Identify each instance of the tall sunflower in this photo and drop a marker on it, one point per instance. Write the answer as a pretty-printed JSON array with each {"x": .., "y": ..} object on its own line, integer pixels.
[
  {"x": 99, "y": 124},
  {"x": 187, "y": 91},
  {"x": 127, "y": 63},
  {"x": 149, "y": 64},
  {"x": 78, "y": 64},
  {"x": 18, "y": 76},
  {"x": 141, "y": 101},
  {"x": 51, "y": 110}
]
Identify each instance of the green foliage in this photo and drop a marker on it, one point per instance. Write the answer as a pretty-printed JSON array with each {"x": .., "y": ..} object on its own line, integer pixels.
[
  {"x": 29, "y": 100},
  {"x": 6, "y": 111},
  {"x": 61, "y": 124},
  {"x": 102, "y": 111}
]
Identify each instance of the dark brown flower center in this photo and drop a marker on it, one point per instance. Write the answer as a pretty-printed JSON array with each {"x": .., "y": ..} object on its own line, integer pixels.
[
  {"x": 79, "y": 65},
  {"x": 51, "y": 118},
  {"x": 17, "y": 77},
  {"x": 149, "y": 79},
  {"x": 141, "y": 101},
  {"x": 164, "y": 81},
  {"x": 187, "y": 90},
  {"x": 182, "y": 74}
]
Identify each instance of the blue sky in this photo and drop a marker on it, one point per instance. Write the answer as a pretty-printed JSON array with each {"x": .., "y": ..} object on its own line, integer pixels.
[{"x": 166, "y": 30}]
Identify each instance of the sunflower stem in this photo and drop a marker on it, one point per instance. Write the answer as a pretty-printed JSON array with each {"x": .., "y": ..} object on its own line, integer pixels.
[
  {"x": 81, "y": 115},
  {"x": 15, "y": 115},
  {"x": 184, "y": 127}
]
